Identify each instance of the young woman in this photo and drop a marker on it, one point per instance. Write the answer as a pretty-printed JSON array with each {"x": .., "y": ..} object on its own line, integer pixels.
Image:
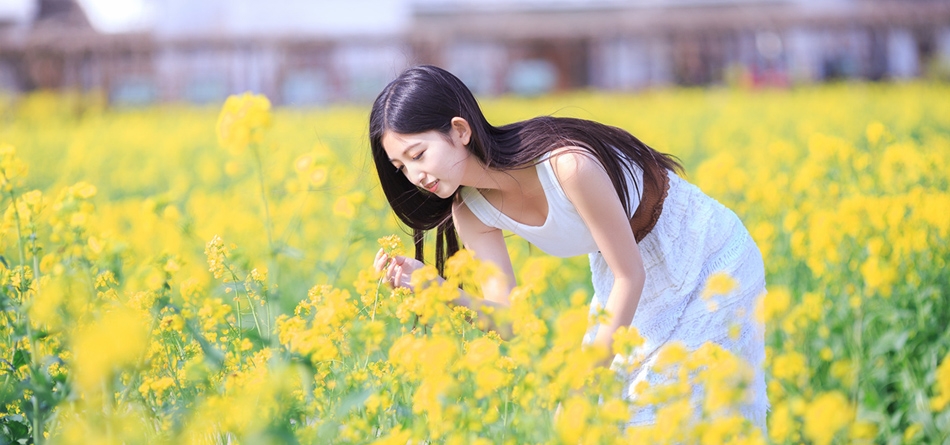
[{"x": 570, "y": 187}]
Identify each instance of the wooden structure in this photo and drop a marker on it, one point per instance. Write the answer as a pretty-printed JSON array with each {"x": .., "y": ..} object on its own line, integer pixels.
[
  {"x": 682, "y": 42},
  {"x": 495, "y": 46}
]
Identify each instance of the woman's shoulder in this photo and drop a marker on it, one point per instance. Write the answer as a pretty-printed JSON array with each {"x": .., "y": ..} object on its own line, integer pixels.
[{"x": 571, "y": 162}]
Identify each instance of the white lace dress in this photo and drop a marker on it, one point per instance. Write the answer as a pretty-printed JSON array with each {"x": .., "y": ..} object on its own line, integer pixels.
[{"x": 694, "y": 237}]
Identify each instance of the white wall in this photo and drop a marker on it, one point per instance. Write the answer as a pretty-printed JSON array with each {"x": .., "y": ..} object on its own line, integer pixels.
[
  {"x": 280, "y": 17},
  {"x": 902, "y": 59}
]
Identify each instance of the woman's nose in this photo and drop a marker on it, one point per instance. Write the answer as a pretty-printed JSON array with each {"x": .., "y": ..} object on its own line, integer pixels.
[{"x": 415, "y": 174}]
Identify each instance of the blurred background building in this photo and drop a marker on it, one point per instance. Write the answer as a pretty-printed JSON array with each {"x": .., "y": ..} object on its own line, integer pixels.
[{"x": 311, "y": 52}]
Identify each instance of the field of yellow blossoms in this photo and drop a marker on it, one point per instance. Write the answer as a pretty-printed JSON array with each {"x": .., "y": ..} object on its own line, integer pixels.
[{"x": 203, "y": 275}]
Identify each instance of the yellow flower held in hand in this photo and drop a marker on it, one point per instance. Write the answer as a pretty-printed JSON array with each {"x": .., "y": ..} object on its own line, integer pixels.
[{"x": 392, "y": 245}]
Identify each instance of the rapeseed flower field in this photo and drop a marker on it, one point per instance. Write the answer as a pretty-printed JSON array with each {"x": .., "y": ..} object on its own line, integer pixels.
[{"x": 180, "y": 274}]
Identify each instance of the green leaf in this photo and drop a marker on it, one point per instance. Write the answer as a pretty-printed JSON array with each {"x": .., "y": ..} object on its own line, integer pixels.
[
  {"x": 890, "y": 341},
  {"x": 14, "y": 429},
  {"x": 20, "y": 358},
  {"x": 353, "y": 401},
  {"x": 289, "y": 251}
]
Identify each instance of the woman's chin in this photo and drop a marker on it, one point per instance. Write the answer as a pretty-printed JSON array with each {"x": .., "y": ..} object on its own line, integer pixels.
[
  {"x": 444, "y": 192},
  {"x": 440, "y": 192}
]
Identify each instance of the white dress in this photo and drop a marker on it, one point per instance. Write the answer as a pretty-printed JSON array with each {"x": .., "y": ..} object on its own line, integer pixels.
[{"x": 694, "y": 237}]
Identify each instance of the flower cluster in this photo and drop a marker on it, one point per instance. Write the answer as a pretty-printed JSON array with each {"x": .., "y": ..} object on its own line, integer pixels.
[
  {"x": 242, "y": 121},
  {"x": 117, "y": 327}
]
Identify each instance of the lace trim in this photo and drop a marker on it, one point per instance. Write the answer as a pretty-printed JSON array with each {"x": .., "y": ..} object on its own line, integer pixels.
[
  {"x": 747, "y": 345},
  {"x": 641, "y": 228},
  {"x": 694, "y": 237}
]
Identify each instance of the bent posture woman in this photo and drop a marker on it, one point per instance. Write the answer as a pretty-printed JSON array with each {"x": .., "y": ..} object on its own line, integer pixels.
[{"x": 570, "y": 187}]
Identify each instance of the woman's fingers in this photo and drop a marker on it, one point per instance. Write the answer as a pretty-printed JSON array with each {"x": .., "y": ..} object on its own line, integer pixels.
[
  {"x": 395, "y": 269},
  {"x": 390, "y": 268},
  {"x": 403, "y": 277},
  {"x": 380, "y": 260}
]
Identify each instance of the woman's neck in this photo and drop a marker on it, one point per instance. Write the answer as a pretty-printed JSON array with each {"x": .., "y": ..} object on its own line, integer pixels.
[{"x": 504, "y": 182}]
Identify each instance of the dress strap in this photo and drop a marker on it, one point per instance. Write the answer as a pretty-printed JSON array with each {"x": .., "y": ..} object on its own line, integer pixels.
[{"x": 479, "y": 206}]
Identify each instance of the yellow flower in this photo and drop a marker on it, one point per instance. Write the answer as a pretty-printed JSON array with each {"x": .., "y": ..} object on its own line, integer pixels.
[
  {"x": 217, "y": 253},
  {"x": 242, "y": 119},
  {"x": 912, "y": 431},
  {"x": 482, "y": 358},
  {"x": 572, "y": 423},
  {"x": 479, "y": 353},
  {"x": 670, "y": 355},
  {"x": 791, "y": 367},
  {"x": 670, "y": 419},
  {"x": 488, "y": 380},
  {"x": 116, "y": 340},
  {"x": 626, "y": 340},
  {"x": 304, "y": 163},
  {"x": 423, "y": 276},
  {"x": 318, "y": 176},
  {"x": 726, "y": 429},
  {"x": 719, "y": 283},
  {"x": 45, "y": 307},
  {"x": 878, "y": 276},
  {"x": 826, "y": 415},
  {"x": 391, "y": 244},
  {"x": 874, "y": 132},
  {"x": 780, "y": 422},
  {"x": 396, "y": 437},
  {"x": 863, "y": 431},
  {"x": 83, "y": 190},
  {"x": 844, "y": 371},
  {"x": 942, "y": 386},
  {"x": 12, "y": 169},
  {"x": 344, "y": 207}
]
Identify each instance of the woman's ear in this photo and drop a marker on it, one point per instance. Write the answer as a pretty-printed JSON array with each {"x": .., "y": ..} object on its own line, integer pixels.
[{"x": 462, "y": 130}]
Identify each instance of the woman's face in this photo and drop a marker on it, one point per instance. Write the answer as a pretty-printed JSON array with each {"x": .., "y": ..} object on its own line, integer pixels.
[{"x": 434, "y": 162}]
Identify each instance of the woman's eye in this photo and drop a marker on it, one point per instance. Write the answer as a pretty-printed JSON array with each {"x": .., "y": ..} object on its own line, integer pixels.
[
  {"x": 416, "y": 157},
  {"x": 400, "y": 168}
]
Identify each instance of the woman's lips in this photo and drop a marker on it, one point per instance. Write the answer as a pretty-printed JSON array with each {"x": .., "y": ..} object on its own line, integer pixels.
[{"x": 432, "y": 186}]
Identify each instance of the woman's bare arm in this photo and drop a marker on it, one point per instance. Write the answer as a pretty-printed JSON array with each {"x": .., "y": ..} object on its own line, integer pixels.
[
  {"x": 584, "y": 181},
  {"x": 488, "y": 244}
]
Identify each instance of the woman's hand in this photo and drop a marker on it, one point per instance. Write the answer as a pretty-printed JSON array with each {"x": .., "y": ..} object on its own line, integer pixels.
[{"x": 397, "y": 270}]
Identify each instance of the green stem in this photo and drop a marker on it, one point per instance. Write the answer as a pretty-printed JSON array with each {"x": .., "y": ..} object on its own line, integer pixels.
[
  {"x": 240, "y": 329},
  {"x": 858, "y": 340},
  {"x": 250, "y": 303},
  {"x": 505, "y": 417},
  {"x": 263, "y": 190},
  {"x": 37, "y": 425},
  {"x": 140, "y": 364},
  {"x": 19, "y": 232},
  {"x": 37, "y": 416},
  {"x": 273, "y": 270},
  {"x": 107, "y": 407},
  {"x": 376, "y": 299},
  {"x": 341, "y": 261},
  {"x": 257, "y": 323}
]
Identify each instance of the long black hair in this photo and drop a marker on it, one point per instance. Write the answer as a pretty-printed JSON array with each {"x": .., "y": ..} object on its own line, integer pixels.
[{"x": 426, "y": 98}]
